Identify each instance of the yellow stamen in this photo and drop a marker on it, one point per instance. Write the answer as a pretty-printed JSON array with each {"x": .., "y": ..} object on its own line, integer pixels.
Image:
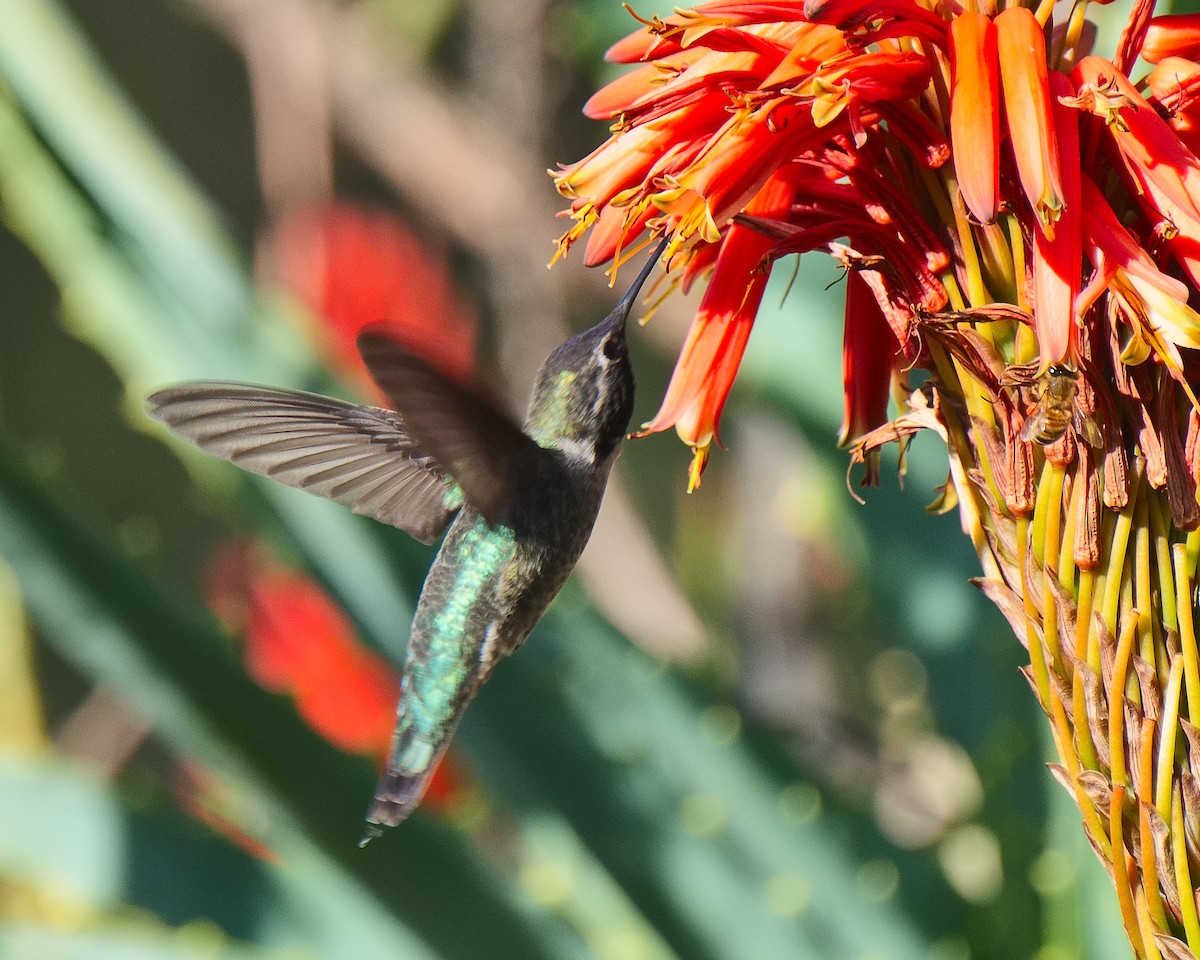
[{"x": 699, "y": 462}]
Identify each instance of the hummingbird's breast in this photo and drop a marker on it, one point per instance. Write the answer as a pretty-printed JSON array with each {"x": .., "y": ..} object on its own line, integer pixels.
[{"x": 485, "y": 591}]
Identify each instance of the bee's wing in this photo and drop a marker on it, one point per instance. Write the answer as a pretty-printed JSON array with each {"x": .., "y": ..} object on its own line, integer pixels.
[
  {"x": 362, "y": 457},
  {"x": 1087, "y": 429},
  {"x": 1033, "y": 424},
  {"x": 485, "y": 452}
]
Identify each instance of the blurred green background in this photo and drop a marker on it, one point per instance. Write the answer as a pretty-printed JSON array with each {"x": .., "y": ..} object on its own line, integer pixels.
[{"x": 764, "y": 722}]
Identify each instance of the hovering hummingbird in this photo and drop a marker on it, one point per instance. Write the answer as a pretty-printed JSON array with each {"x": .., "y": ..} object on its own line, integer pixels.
[{"x": 520, "y": 504}]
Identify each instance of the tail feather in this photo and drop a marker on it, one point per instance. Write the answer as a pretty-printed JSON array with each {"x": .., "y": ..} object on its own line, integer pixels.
[
  {"x": 397, "y": 795},
  {"x": 411, "y": 764}
]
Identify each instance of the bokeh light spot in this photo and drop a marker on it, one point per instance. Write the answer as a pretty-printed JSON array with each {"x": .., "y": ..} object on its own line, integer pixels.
[
  {"x": 878, "y": 880},
  {"x": 787, "y": 894},
  {"x": 800, "y": 803},
  {"x": 548, "y": 883},
  {"x": 720, "y": 724},
  {"x": 702, "y": 814},
  {"x": 1052, "y": 873}
]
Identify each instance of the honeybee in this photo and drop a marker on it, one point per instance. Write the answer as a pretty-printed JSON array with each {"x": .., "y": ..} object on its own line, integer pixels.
[{"x": 1056, "y": 408}]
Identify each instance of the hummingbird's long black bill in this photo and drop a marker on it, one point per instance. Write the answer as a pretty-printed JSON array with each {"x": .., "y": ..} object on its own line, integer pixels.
[{"x": 620, "y": 313}]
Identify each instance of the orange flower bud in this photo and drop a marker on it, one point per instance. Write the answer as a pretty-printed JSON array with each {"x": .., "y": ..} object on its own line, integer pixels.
[
  {"x": 1172, "y": 35},
  {"x": 1057, "y": 259},
  {"x": 1023, "y": 76},
  {"x": 975, "y": 113},
  {"x": 1165, "y": 174},
  {"x": 709, "y": 360}
]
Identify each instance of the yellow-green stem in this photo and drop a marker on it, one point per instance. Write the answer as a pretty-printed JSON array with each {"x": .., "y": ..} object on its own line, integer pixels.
[
  {"x": 1093, "y": 632},
  {"x": 1193, "y": 552},
  {"x": 1142, "y": 596},
  {"x": 1044, "y": 10},
  {"x": 1083, "y": 618},
  {"x": 997, "y": 258},
  {"x": 1164, "y": 775},
  {"x": 1187, "y": 633},
  {"x": 1083, "y": 731},
  {"x": 958, "y": 442},
  {"x": 1050, "y": 493},
  {"x": 1033, "y": 637},
  {"x": 1116, "y": 566},
  {"x": 977, "y": 291},
  {"x": 1064, "y": 53},
  {"x": 1048, "y": 486},
  {"x": 1079, "y": 720},
  {"x": 1066, "y": 551},
  {"x": 1116, "y": 697},
  {"x": 1145, "y": 789},
  {"x": 1183, "y": 875},
  {"x": 935, "y": 190},
  {"x": 1159, "y": 527}
]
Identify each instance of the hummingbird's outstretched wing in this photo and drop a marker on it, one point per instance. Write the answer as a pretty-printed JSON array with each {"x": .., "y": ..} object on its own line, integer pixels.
[
  {"x": 362, "y": 457},
  {"x": 485, "y": 452}
]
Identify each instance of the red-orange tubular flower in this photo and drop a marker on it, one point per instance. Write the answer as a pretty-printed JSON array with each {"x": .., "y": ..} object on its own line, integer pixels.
[
  {"x": 1172, "y": 35},
  {"x": 975, "y": 113},
  {"x": 710, "y": 358},
  {"x": 1021, "y": 220},
  {"x": 1057, "y": 253},
  {"x": 1023, "y": 77},
  {"x": 1173, "y": 88}
]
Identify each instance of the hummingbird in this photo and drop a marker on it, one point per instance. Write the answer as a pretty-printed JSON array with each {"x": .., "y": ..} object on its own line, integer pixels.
[{"x": 519, "y": 503}]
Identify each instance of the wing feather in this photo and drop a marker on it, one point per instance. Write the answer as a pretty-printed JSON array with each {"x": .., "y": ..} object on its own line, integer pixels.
[
  {"x": 362, "y": 457},
  {"x": 486, "y": 453}
]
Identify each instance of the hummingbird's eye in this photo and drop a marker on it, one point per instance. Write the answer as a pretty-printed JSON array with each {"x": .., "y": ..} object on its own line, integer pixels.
[{"x": 611, "y": 348}]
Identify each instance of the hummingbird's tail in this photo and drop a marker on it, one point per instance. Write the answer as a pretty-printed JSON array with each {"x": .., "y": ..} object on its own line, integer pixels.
[{"x": 411, "y": 764}]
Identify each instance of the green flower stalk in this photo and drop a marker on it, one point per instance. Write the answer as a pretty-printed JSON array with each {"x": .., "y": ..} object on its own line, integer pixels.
[{"x": 1019, "y": 220}]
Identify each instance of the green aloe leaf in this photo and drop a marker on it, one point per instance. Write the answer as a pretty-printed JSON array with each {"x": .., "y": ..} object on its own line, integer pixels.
[
  {"x": 697, "y": 824},
  {"x": 119, "y": 623},
  {"x": 73, "y": 843}
]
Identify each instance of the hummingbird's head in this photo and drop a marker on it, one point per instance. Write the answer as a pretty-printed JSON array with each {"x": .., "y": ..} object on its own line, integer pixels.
[{"x": 583, "y": 398}]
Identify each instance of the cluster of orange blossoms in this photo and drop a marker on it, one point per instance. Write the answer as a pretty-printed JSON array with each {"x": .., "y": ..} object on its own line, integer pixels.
[
  {"x": 1020, "y": 219},
  {"x": 934, "y": 139}
]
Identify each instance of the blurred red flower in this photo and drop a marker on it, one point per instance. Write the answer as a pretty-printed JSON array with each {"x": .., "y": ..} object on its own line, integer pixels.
[
  {"x": 299, "y": 641},
  {"x": 355, "y": 267}
]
